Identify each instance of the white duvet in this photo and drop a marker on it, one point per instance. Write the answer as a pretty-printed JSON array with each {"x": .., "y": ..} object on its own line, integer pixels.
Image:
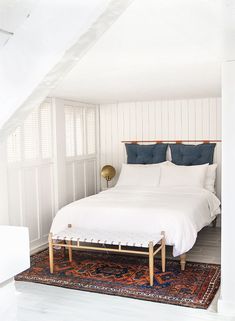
[{"x": 180, "y": 212}]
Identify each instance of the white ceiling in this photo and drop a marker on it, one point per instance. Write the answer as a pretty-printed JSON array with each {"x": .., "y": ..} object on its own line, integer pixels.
[
  {"x": 157, "y": 49},
  {"x": 12, "y": 14}
]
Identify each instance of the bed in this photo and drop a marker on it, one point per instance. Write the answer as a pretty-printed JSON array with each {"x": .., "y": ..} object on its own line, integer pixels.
[
  {"x": 131, "y": 213},
  {"x": 142, "y": 205}
]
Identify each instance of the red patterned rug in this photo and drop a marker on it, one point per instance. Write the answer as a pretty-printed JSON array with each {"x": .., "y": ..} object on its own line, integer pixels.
[{"x": 128, "y": 276}]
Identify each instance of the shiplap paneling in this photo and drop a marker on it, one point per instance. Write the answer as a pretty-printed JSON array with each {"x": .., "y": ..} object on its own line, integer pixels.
[
  {"x": 46, "y": 198},
  {"x": 31, "y": 199},
  {"x": 170, "y": 119},
  {"x": 70, "y": 182},
  {"x": 81, "y": 177},
  {"x": 90, "y": 175},
  {"x": 30, "y": 202},
  {"x": 14, "y": 197},
  {"x": 30, "y": 174},
  {"x": 80, "y": 186}
]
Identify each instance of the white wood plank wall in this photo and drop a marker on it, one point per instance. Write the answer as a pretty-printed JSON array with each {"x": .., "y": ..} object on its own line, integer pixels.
[
  {"x": 170, "y": 119},
  {"x": 30, "y": 177},
  {"x": 31, "y": 200},
  {"x": 41, "y": 177},
  {"x": 81, "y": 165},
  {"x": 38, "y": 188}
]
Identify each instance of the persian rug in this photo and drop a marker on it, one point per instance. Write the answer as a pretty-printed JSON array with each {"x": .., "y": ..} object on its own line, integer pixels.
[{"x": 127, "y": 276}]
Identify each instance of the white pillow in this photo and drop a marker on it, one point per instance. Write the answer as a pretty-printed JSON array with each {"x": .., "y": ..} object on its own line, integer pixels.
[
  {"x": 210, "y": 175},
  {"x": 187, "y": 176},
  {"x": 210, "y": 178},
  {"x": 139, "y": 175}
]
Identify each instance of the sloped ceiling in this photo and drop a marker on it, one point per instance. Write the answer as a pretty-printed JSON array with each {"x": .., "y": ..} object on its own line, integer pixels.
[
  {"x": 12, "y": 14},
  {"x": 157, "y": 49},
  {"x": 44, "y": 48}
]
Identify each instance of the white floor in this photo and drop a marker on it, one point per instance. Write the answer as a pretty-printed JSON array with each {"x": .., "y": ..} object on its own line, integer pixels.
[{"x": 46, "y": 303}]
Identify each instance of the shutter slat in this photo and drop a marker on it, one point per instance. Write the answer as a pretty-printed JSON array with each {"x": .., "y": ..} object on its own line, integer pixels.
[
  {"x": 79, "y": 131},
  {"x": 80, "y": 128},
  {"x": 14, "y": 146},
  {"x": 69, "y": 131},
  {"x": 31, "y": 136},
  {"x": 46, "y": 131},
  {"x": 33, "y": 139},
  {"x": 91, "y": 129}
]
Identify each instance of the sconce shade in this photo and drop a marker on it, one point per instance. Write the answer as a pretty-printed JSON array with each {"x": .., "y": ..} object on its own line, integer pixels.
[{"x": 108, "y": 172}]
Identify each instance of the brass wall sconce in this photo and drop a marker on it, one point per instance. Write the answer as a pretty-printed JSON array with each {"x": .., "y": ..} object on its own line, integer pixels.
[{"x": 108, "y": 172}]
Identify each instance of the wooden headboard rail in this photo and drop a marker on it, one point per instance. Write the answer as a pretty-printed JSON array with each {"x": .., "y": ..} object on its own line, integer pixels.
[{"x": 205, "y": 141}]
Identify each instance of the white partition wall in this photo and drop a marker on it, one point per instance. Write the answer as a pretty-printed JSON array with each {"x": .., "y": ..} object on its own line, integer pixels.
[
  {"x": 168, "y": 119},
  {"x": 80, "y": 149},
  {"x": 227, "y": 299},
  {"x": 51, "y": 160},
  {"x": 30, "y": 174}
]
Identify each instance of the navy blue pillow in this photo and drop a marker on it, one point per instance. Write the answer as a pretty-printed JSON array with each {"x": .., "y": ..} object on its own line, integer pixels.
[
  {"x": 146, "y": 154},
  {"x": 192, "y": 154}
]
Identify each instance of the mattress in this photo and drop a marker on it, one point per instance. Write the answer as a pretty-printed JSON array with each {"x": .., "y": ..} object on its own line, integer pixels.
[{"x": 138, "y": 214}]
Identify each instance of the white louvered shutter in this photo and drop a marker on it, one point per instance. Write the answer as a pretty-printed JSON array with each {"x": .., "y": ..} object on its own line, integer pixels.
[
  {"x": 14, "y": 146},
  {"x": 69, "y": 131},
  {"x": 91, "y": 131},
  {"x": 31, "y": 136},
  {"x": 79, "y": 131},
  {"x": 46, "y": 130}
]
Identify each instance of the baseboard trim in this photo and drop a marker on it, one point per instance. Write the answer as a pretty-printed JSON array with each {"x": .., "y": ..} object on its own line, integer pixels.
[{"x": 36, "y": 249}]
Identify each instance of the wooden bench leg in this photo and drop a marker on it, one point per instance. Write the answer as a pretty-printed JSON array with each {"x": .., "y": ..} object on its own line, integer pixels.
[
  {"x": 151, "y": 264},
  {"x": 70, "y": 252},
  {"x": 183, "y": 261},
  {"x": 63, "y": 249},
  {"x": 51, "y": 255},
  {"x": 70, "y": 249},
  {"x": 163, "y": 254}
]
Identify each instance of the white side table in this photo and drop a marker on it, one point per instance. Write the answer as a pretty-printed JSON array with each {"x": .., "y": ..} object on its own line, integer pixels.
[{"x": 15, "y": 258}]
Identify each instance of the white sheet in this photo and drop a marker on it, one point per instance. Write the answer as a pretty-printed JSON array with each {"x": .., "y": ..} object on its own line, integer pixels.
[{"x": 180, "y": 212}]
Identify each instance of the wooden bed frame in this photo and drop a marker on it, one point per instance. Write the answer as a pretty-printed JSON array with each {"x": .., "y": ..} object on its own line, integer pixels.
[{"x": 70, "y": 244}]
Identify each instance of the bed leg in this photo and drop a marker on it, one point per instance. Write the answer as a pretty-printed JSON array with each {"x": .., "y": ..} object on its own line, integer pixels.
[
  {"x": 51, "y": 256},
  {"x": 163, "y": 253},
  {"x": 183, "y": 261},
  {"x": 151, "y": 264},
  {"x": 214, "y": 222}
]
